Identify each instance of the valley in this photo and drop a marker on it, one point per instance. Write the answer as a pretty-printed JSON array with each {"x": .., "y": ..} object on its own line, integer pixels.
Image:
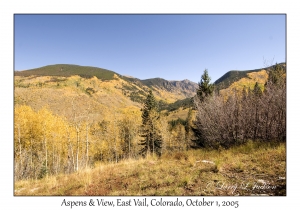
[{"x": 89, "y": 126}]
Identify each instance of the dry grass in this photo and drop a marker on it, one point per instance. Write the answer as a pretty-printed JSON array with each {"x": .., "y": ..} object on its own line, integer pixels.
[{"x": 251, "y": 169}]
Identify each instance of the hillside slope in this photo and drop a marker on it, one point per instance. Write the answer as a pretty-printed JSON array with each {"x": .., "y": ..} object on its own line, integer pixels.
[
  {"x": 136, "y": 89},
  {"x": 58, "y": 85},
  {"x": 101, "y": 98},
  {"x": 233, "y": 76},
  {"x": 68, "y": 95},
  {"x": 67, "y": 70}
]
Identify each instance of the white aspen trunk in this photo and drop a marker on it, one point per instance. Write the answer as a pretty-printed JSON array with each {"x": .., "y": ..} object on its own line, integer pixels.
[
  {"x": 87, "y": 147},
  {"x": 72, "y": 153},
  {"x": 46, "y": 157},
  {"x": 20, "y": 147},
  {"x": 152, "y": 127},
  {"x": 53, "y": 158},
  {"x": 77, "y": 149},
  {"x": 57, "y": 163},
  {"x": 129, "y": 149},
  {"x": 71, "y": 150},
  {"x": 45, "y": 150},
  {"x": 31, "y": 154},
  {"x": 115, "y": 139}
]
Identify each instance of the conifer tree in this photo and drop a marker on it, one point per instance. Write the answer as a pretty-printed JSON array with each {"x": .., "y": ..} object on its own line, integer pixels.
[
  {"x": 256, "y": 90},
  {"x": 152, "y": 140},
  {"x": 204, "y": 87}
]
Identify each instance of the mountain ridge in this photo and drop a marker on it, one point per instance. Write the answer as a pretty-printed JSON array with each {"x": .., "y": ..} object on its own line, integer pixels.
[
  {"x": 60, "y": 70},
  {"x": 114, "y": 93},
  {"x": 184, "y": 87},
  {"x": 171, "y": 94},
  {"x": 234, "y": 75}
]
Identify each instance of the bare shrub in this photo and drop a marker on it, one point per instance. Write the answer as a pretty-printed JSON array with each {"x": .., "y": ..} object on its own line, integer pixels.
[{"x": 252, "y": 114}]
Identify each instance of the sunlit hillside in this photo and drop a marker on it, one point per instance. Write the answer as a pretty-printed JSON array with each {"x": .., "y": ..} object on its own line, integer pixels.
[
  {"x": 247, "y": 83},
  {"x": 66, "y": 95},
  {"x": 101, "y": 98},
  {"x": 233, "y": 76}
]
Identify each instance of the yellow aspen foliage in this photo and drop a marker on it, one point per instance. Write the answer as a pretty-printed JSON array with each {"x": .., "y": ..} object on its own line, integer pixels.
[{"x": 40, "y": 142}]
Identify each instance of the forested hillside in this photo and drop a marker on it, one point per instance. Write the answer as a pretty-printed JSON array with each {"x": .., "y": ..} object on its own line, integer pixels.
[
  {"x": 65, "y": 119},
  {"x": 69, "y": 118},
  {"x": 233, "y": 76},
  {"x": 66, "y": 70}
]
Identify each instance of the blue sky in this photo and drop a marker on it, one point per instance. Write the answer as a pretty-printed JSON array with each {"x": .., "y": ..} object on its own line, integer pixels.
[{"x": 173, "y": 47}]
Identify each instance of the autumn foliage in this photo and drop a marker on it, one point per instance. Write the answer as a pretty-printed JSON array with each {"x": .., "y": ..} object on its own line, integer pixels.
[{"x": 64, "y": 125}]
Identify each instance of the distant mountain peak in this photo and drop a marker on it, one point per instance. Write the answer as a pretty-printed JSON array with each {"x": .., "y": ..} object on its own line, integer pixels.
[
  {"x": 129, "y": 76},
  {"x": 184, "y": 80}
]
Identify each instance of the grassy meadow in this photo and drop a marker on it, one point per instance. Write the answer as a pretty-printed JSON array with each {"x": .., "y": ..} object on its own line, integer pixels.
[{"x": 252, "y": 169}]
